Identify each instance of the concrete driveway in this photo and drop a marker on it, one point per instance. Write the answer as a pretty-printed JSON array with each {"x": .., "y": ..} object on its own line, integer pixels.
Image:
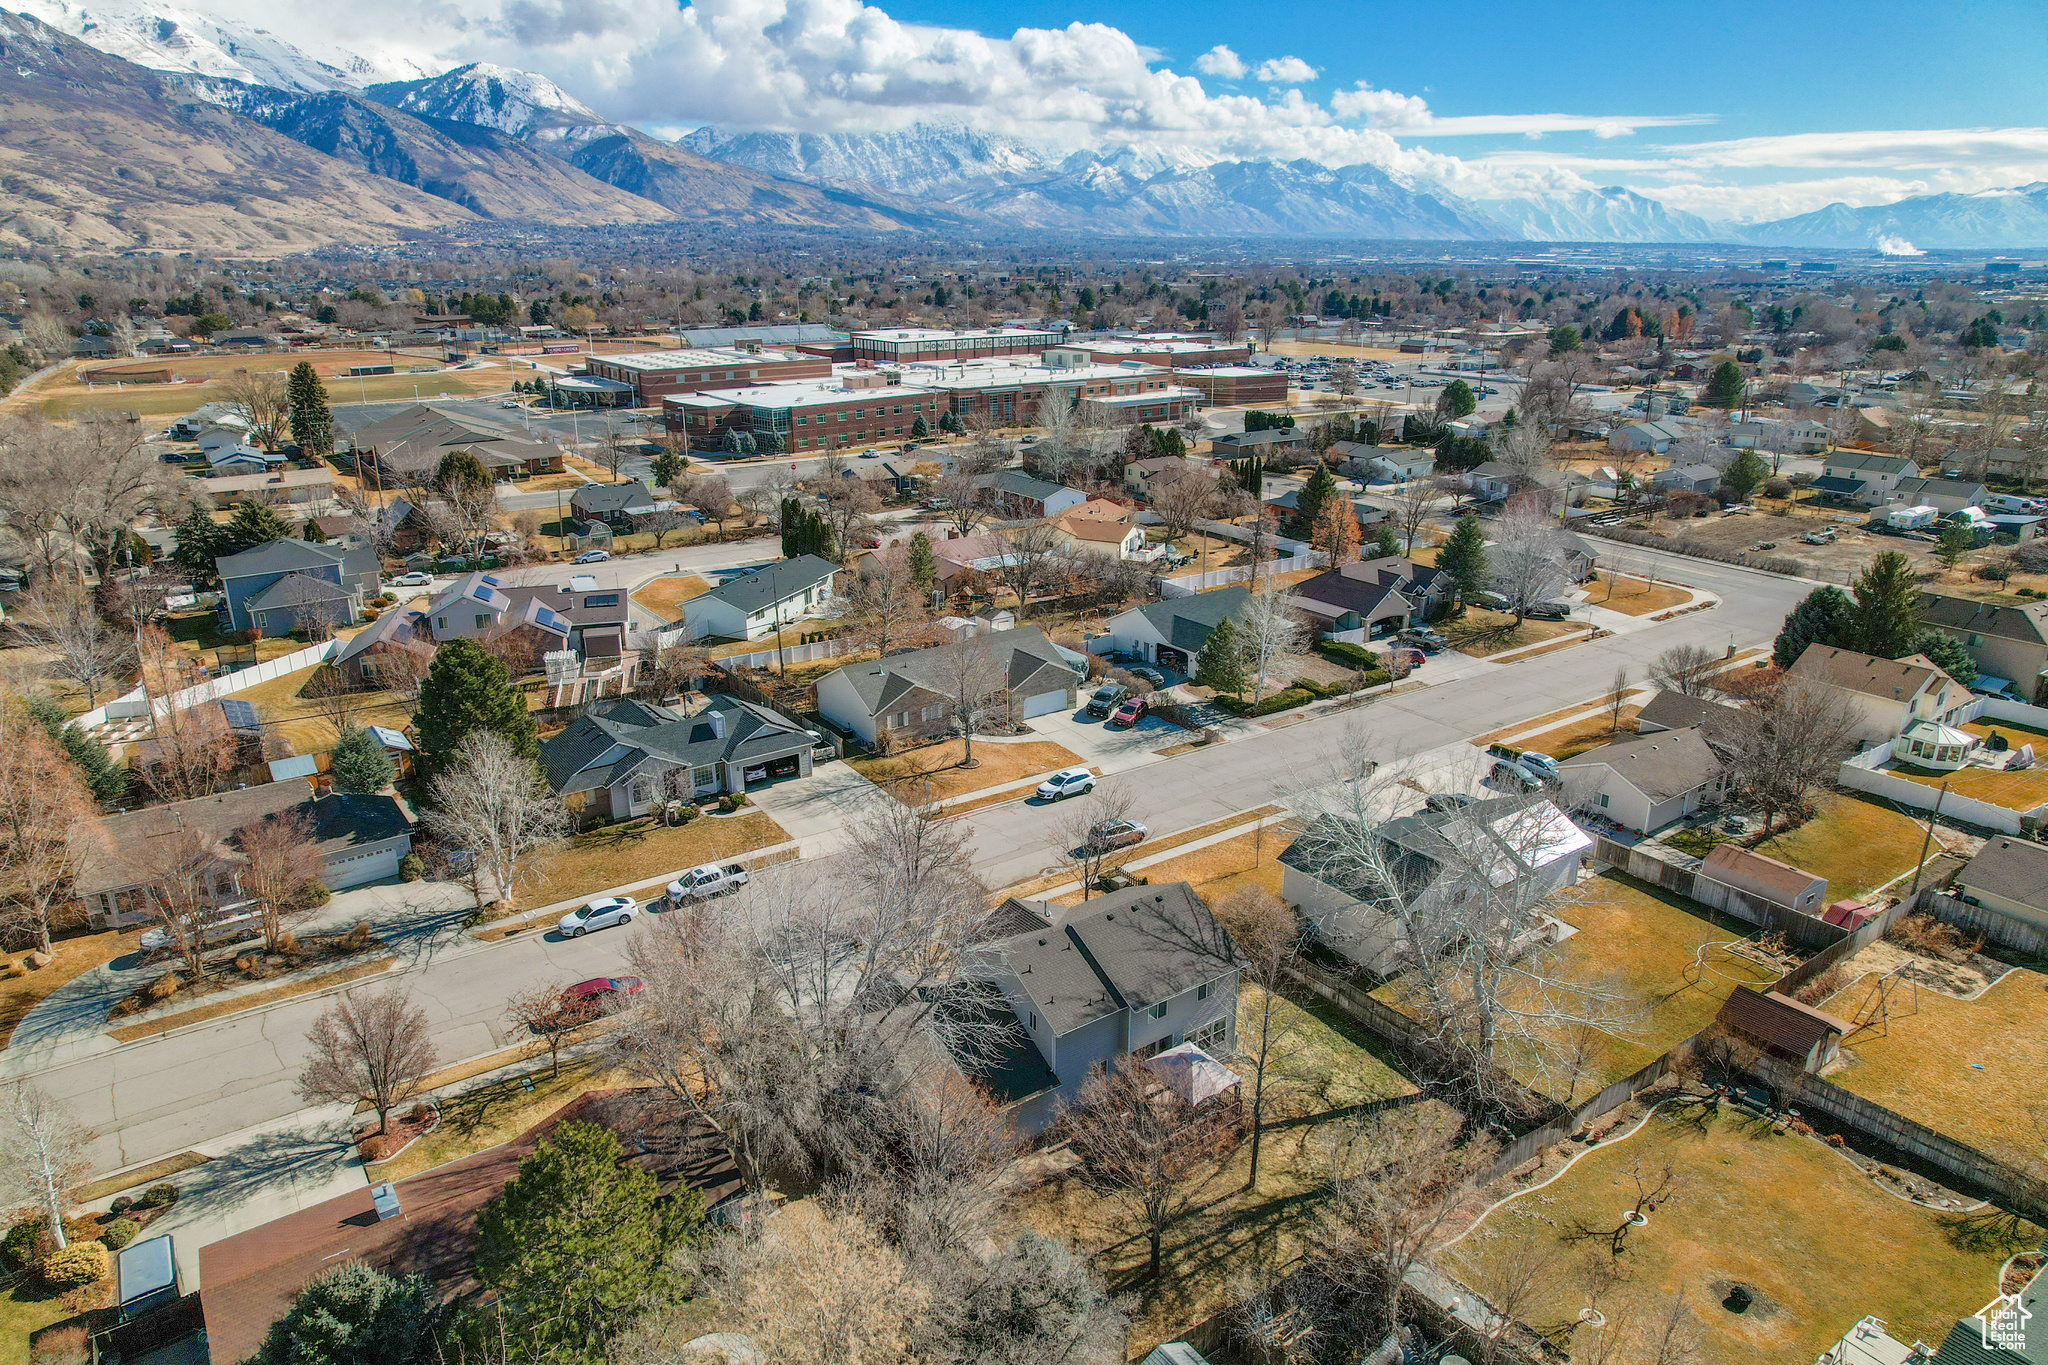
[
  {"x": 1102, "y": 747},
  {"x": 819, "y": 810}
]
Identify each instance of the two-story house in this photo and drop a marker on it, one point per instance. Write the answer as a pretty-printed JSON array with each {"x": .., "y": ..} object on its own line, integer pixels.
[
  {"x": 2009, "y": 644},
  {"x": 755, "y": 605},
  {"x": 1887, "y": 695},
  {"x": 1363, "y": 601},
  {"x": 1862, "y": 480},
  {"x": 284, "y": 585},
  {"x": 1129, "y": 974}
]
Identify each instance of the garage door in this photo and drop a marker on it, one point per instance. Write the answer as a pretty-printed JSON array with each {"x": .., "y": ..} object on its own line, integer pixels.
[
  {"x": 341, "y": 873},
  {"x": 1044, "y": 704}
]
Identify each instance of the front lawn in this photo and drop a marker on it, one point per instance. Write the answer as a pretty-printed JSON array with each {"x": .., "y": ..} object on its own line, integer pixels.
[
  {"x": 73, "y": 958},
  {"x": 1575, "y": 737},
  {"x": 1803, "y": 1232},
  {"x": 933, "y": 773},
  {"x": 1480, "y": 633},
  {"x": 1856, "y": 843},
  {"x": 1968, "y": 1068},
  {"x": 482, "y": 1118},
  {"x": 1636, "y": 596},
  {"x": 640, "y": 853},
  {"x": 665, "y": 596}
]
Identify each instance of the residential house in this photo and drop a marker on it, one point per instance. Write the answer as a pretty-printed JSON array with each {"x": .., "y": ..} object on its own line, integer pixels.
[
  {"x": 1381, "y": 465},
  {"x": 1648, "y": 438},
  {"x": 2009, "y": 644},
  {"x": 116, "y": 858},
  {"x": 617, "y": 505},
  {"x": 282, "y": 585},
  {"x": 1364, "y": 601},
  {"x": 307, "y": 492},
  {"x": 1523, "y": 851},
  {"x": 1286, "y": 505},
  {"x": 952, "y": 557},
  {"x": 1172, "y": 633},
  {"x": 1946, "y": 496},
  {"x": 1886, "y": 694},
  {"x": 1144, "y": 478},
  {"x": 1687, "y": 478},
  {"x": 759, "y": 604},
  {"x": 226, "y": 431},
  {"x": 1783, "y": 1028},
  {"x": 406, "y": 448},
  {"x": 1133, "y": 973},
  {"x": 2004, "y": 1323},
  {"x": 1647, "y": 782},
  {"x": 1749, "y": 886},
  {"x": 521, "y": 627},
  {"x": 1273, "y": 441},
  {"x": 2008, "y": 878},
  {"x": 617, "y": 762},
  {"x": 1720, "y": 726},
  {"x": 241, "y": 462},
  {"x": 1563, "y": 488},
  {"x": 1492, "y": 481},
  {"x": 252, "y": 1277},
  {"x": 1788, "y": 436},
  {"x": 910, "y": 698},
  {"x": 1862, "y": 480},
  {"x": 1100, "y": 526},
  {"x": 1013, "y": 495}
]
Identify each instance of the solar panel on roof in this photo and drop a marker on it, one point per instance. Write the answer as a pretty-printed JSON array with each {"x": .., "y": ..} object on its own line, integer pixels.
[{"x": 240, "y": 715}]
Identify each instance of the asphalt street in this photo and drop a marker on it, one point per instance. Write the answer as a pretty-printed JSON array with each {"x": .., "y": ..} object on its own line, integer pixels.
[{"x": 151, "y": 1098}]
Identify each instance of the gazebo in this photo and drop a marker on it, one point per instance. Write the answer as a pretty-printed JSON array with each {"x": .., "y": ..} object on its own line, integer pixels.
[
  {"x": 1930, "y": 744},
  {"x": 1192, "y": 1073}
]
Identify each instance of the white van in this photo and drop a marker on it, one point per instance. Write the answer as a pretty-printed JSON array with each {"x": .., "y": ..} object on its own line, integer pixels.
[{"x": 2013, "y": 502}]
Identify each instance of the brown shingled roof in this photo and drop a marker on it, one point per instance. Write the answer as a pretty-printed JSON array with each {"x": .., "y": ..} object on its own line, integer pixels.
[
  {"x": 1778, "y": 1023},
  {"x": 1886, "y": 679}
]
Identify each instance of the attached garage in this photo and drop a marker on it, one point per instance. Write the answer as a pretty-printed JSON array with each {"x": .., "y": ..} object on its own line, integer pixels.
[
  {"x": 775, "y": 769},
  {"x": 357, "y": 869},
  {"x": 1044, "y": 704}
]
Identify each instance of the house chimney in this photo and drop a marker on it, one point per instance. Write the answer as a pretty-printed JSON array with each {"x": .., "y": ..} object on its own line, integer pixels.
[{"x": 718, "y": 724}]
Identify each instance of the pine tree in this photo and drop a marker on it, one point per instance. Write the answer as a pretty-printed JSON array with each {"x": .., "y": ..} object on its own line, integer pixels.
[
  {"x": 1463, "y": 557},
  {"x": 313, "y": 532},
  {"x": 103, "y": 777},
  {"x": 358, "y": 764},
  {"x": 467, "y": 690},
  {"x": 353, "y": 1314},
  {"x": 667, "y": 467},
  {"x": 464, "y": 468},
  {"x": 1388, "y": 541},
  {"x": 312, "y": 423},
  {"x": 920, "y": 428},
  {"x": 1317, "y": 490},
  {"x": 792, "y": 523},
  {"x": 1887, "y": 606},
  {"x": 251, "y": 525},
  {"x": 1724, "y": 386},
  {"x": 1825, "y": 616},
  {"x": 1221, "y": 665},
  {"x": 200, "y": 541},
  {"x": 923, "y": 567},
  {"x": 1948, "y": 655},
  {"x": 1251, "y": 475},
  {"x": 1957, "y": 540},
  {"x": 1744, "y": 474}
]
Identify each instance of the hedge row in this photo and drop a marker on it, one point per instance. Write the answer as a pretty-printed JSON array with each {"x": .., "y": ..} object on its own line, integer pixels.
[
  {"x": 1344, "y": 652},
  {"x": 1297, "y": 693}
]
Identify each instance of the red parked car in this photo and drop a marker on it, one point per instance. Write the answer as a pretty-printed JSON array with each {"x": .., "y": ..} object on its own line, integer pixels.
[
  {"x": 601, "y": 988},
  {"x": 1129, "y": 713}
]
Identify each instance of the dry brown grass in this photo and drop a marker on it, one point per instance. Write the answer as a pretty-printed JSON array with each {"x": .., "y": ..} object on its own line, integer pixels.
[
  {"x": 74, "y": 957},
  {"x": 298, "y": 719},
  {"x": 643, "y": 853},
  {"x": 71, "y": 397},
  {"x": 1564, "y": 741},
  {"x": 1856, "y": 843},
  {"x": 498, "y": 1112},
  {"x": 2019, "y": 789},
  {"x": 1482, "y": 633},
  {"x": 236, "y": 1004},
  {"x": 1544, "y": 720},
  {"x": 1153, "y": 847},
  {"x": 665, "y": 596},
  {"x": 1637, "y": 596},
  {"x": 933, "y": 772},
  {"x": 141, "y": 1175}
]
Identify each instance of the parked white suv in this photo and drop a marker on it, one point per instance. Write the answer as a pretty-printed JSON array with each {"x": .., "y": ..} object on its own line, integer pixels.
[{"x": 1066, "y": 782}]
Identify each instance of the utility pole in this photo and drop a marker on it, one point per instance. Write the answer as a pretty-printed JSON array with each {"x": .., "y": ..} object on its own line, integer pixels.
[{"x": 1933, "y": 815}]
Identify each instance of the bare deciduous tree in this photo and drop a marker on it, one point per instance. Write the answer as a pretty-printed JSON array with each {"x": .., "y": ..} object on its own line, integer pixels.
[
  {"x": 183, "y": 874},
  {"x": 1271, "y": 630},
  {"x": 190, "y": 752},
  {"x": 714, "y": 498},
  {"x": 1081, "y": 834},
  {"x": 1529, "y": 556},
  {"x": 494, "y": 804},
  {"x": 850, "y": 506},
  {"x": 977, "y": 689},
  {"x": 62, "y": 617},
  {"x": 1789, "y": 745},
  {"x": 41, "y": 799},
  {"x": 1413, "y": 504},
  {"x": 281, "y": 871},
  {"x": 1183, "y": 502},
  {"x": 961, "y": 504},
  {"x": 260, "y": 400},
  {"x": 1142, "y": 1145},
  {"x": 374, "y": 1048},
  {"x": 885, "y": 607},
  {"x": 555, "y": 1017},
  {"x": 1269, "y": 940},
  {"x": 1687, "y": 669},
  {"x": 43, "y": 1154}
]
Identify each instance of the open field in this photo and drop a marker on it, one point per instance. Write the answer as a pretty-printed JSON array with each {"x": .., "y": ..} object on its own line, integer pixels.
[
  {"x": 1968, "y": 1068},
  {"x": 1231, "y": 1229},
  {"x": 1636, "y": 596},
  {"x": 1856, "y": 843},
  {"x": 636, "y": 851},
  {"x": 75, "y": 956},
  {"x": 1783, "y": 1217},
  {"x": 665, "y": 596},
  {"x": 932, "y": 773},
  {"x": 68, "y": 395}
]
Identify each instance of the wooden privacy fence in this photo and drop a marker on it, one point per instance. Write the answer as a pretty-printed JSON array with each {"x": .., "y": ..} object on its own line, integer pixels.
[{"x": 2003, "y": 930}]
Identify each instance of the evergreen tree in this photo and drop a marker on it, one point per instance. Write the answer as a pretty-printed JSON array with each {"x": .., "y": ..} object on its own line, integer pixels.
[
  {"x": 1563, "y": 339},
  {"x": 1463, "y": 557},
  {"x": 465, "y": 690},
  {"x": 358, "y": 764},
  {"x": 312, "y": 423},
  {"x": 1221, "y": 665},
  {"x": 920, "y": 428},
  {"x": 1457, "y": 400},
  {"x": 1825, "y": 617},
  {"x": 1887, "y": 606},
  {"x": 1251, "y": 475},
  {"x": 313, "y": 532},
  {"x": 1724, "y": 386},
  {"x": 354, "y": 1314},
  {"x": 922, "y": 566},
  {"x": 200, "y": 541},
  {"x": 667, "y": 468},
  {"x": 1744, "y": 474},
  {"x": 1957, "y": 540},
  {"x": 462, "y": 468},
  {"x": 104, "y": 778},
  {"x": 792, "y": 524},
  {"x": 1318, "y": 489},
  {"x": 251, "y": 525},
  {"x": 578, "y": 1241},
  {"x": 1387, "y": 541},
  {"x": 1948, "y": 654}
]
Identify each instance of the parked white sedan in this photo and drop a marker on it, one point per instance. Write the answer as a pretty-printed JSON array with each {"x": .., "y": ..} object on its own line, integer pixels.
[{"x": 603, "y": 913}]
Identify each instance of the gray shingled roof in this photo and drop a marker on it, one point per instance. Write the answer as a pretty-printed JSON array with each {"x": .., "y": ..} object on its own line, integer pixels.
[
  {"x": 1128, "y": 950},
  {"x": 1676, "y": 711},
  {"x": 1028, "y": 660},
  {"x": 644, "y": 730},
  {"x": 630, "y": 496},
  {"x": 297, "y": 590},
  {"x": 2027, "y": 623},
  {"x": 1870, "y": 464},
  {"x": 1660, "y": 766},
  {"x": 2011, "y": 868},
  {"x": 290, "y": 556},
  {"x": 779, "y": 581},
  {"x": 1187, "y": 621}
]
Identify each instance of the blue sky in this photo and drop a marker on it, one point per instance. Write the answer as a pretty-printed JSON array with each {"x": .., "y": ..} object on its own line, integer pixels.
[{"x": 1738, "y": 110}]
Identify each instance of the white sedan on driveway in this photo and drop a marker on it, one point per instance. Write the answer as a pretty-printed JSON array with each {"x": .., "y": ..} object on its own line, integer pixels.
[{"x": 602, "y": 913}]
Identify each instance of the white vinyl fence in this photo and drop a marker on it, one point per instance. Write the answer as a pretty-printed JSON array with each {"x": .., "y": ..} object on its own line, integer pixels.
[
  {"x": 130, "y": 705},
  {"x": 1862, "y": 774},
  {"x": 1188, "y": 584}
]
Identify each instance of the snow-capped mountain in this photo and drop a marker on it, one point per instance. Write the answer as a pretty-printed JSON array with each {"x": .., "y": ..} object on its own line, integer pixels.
[
  {"x": 927, "y": 160},
  {"x": 1612, "y": 214},
  {"x": 173, "y": 39},
  {"x": 1987, "y": 220},
  {"x": 521, "y": 103}
]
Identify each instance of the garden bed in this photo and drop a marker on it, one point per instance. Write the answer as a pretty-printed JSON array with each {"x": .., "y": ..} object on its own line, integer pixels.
[
  {"x": 249, "y": 965},
  {"x": 401, "y": 1132}
]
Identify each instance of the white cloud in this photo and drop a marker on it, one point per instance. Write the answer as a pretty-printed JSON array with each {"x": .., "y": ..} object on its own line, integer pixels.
[
  {"x": 1285, "y": 71},
  {"x": 1221, "y": 62}
]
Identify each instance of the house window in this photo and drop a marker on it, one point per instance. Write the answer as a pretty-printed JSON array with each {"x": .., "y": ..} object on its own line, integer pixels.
[
  {"x": 1158, "y": 1011},
  {"x": 1202, "y": 991},
  {"x": 1603, "y": 800},
  {"x": 482, "y": 620},
  {"x": 643, "y": 791},
  {"x": 1034, "y": 1023},
  {"x": 1212, "y": 1035}
]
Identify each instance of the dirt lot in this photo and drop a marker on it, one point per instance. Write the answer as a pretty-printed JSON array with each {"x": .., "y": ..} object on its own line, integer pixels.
[
  {"x": 1838, "y": 562},
  {"x": 68, "y": 395}
]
